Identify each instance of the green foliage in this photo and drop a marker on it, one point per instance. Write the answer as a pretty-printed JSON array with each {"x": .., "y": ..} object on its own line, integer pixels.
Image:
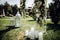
[
  {"x": 1, "y": 9},
  {"x": 14, "y": 9},
  {"x": 7, "y": 9},
  {"x": 51, "y": 35},
  {"x": 40, "y": 6},
  {"x": 8, "y": 6},
  {"x": 54, "y": 9},
  {"x": 23, "y": 4}
]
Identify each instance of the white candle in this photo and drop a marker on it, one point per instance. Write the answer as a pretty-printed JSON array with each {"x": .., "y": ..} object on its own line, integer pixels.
[
  {"x": 40, "y": 35},
  {"x": 26, "y": 33},
  {"x": 36, "y": 34},
  {"x": 32, "y": 32},
  {"x": 17, "y": 20},
  {"x": 29, "y": 35}
]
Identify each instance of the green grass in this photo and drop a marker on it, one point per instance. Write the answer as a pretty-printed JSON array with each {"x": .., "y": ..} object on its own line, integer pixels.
[
  {"x": 53, "y": 31},
  {"x": 3, "y": 24},
  {"x": 26, "y": 24}
]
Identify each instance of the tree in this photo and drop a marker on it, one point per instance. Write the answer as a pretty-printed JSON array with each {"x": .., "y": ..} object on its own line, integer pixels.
[
  {"x": 22, "y": 2},
  {"x": 7, "y": 8},
  {"x": 54, "y": 9},
  {"x": 1, "y": 9},
  {"x": 38, "y": 3},
  {"x": 14, "y": 9},
  {"x": 40, "y": 6}
]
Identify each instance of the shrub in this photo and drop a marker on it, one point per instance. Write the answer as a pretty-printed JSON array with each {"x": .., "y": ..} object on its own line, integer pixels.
[{"x": 51, "y": 35}]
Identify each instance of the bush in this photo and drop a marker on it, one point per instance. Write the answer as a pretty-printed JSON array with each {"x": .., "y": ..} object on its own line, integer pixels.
[
  {"x": 54, "y": 10},
  {"x": 51, "y": 35}
]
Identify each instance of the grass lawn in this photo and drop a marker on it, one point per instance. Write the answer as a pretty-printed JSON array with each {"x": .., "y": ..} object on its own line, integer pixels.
[
  {"x": 8, "y": 32},
  {"x": 14, "y": 33}
]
